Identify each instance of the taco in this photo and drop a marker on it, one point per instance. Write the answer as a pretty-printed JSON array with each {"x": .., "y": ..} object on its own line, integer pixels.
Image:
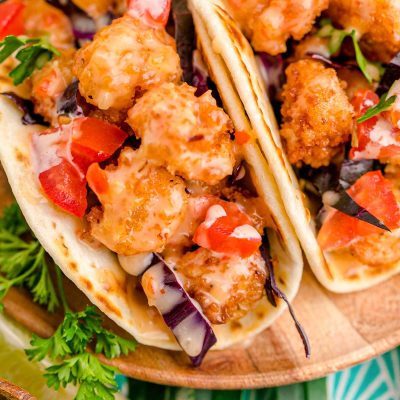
[
  {"x": 335, "y": 91},
  {"x": 158, "y": 205}
]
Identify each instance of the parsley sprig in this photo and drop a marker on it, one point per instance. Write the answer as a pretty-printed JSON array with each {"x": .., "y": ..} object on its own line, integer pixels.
[
  {"x": 384, "y": 104},
  {"x": 77, "y": 366},
  {"x": 371, "y": 70},
  {"x": 32, "y": 54},
  {"x": 23, "y": 261}
]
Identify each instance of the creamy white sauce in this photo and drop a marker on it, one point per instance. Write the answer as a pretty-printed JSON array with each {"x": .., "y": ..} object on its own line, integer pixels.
[
  {"x": 191, "y": 335},
  {"x": 137, "y": 264},
  {"x": 245, "y": 232},
  {"x": 214, "y": 212},
  {"x": 382, "y": 133}
]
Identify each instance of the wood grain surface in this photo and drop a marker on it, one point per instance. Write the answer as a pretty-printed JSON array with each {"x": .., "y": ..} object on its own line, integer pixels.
[
  {"x": 343, "y": 330},
  {"x": 8, "y": 391}
]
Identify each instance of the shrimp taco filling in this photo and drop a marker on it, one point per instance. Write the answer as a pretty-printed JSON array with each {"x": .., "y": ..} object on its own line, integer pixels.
[
  {"x": 151, "y": 164},
  {"x": 332, "y": 70}
]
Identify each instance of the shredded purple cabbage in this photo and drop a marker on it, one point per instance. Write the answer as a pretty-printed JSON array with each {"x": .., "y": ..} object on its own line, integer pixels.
[
  {"x": 68, "y": 103},
  {"x": 200, "y": 81},
  {"x": 337, "y": 180},
  {"x": 272, "y": 72},
  {"x": 29, "y": 117},
  {"x": 330, "y": 63},
  {"x": 392, "y": 73},
  {"x": 273, "y": 291},
  {"x": 348, "y": 206},
  {"x": 185, "y": 319},
  {"x": 184, "y": 37}
]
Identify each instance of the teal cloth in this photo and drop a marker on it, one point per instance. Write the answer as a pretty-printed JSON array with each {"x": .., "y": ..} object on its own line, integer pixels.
[{"x": 378, "y": 379}]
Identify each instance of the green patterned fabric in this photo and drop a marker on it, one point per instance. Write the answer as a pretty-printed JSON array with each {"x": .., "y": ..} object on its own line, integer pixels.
[{"x": 378, "y": 379}]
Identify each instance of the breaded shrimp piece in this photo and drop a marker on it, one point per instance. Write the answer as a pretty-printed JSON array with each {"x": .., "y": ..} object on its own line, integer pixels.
[
  {"x": 49, "y": 84},
  {"x": 311, "y": 44},
  {"x": 141, "y": 208},
  {"x": 226, "y": 287},
  {"x": 124, "y": 60},
  {"x": 377, "y": 23},
  {"x": 186, "y": 134},
  {"x": 317, "y": 115},
  {"x": 40, "y": 18},
  {"x": 378, "y": 249},
  {"x": 270, "y": 23}
]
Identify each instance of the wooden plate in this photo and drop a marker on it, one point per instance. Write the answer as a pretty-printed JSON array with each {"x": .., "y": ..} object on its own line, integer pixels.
[
  {"x": 343, "y": 330},
  {"x": 8, "y": 391}
]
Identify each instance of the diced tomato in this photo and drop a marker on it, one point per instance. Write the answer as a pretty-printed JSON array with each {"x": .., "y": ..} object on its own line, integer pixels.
[
  {"x": 11, "y": 18},
  {"x": 241, "y": 137},
  {"x": 228, "y": 230},
  {"x": 97, "y": 179},
  {"x": 66, "y": 187},
  {"x": 373, "y": 192},
  {"x": 368, "y": 149},
  {"x": 152, "y": 12},
  {"x": 94, "y": 140},
  {"x": 63, "y": 156}
]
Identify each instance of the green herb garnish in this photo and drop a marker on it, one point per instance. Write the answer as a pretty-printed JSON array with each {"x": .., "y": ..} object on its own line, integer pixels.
[
  {"x": 32, "y": 54},
  {"x": 383, "y": 105},
  {"x": 77, "y": 366},
  {"x": 371, "y": 70},
  {"x": 23, "y": 261}
]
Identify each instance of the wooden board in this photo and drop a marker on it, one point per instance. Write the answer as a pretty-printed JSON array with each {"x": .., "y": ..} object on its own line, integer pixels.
[{"x": 343, "y": 330}]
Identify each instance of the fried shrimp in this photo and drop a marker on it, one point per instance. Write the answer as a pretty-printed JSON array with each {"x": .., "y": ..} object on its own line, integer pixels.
[
  {"x": 141, "y": 208},
  {"x": 186, "y": 134},
  {"x": 49, "y": 83},
  {"x": 317, "y": 116},
  {"x": 378, "y": 249},
  {"x": 43, "y": 19},
  {"x": 124, "y": 60},
  {"x": 270, "y": 23},
  {"x": 377, "y": 23},
  {"x": 226, "y": 287}
]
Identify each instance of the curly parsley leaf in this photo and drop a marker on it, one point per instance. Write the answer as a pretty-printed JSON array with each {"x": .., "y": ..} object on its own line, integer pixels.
[
  {"x": 23, "y": 262},
  {"x": 96, "y": 380},
  {"x": 32, "y": 54},
  {"x": 384, "y": 104},
  {"x": 371, "y": 70},
  {"x": 69, "y": 344}
]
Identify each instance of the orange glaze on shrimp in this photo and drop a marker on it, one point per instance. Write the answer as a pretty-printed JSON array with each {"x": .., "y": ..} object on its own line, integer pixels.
[
  {"x": 142, "y": 206},
  {"x": 317, "y": 115},
  {"x": 186, "y": 134},
  {"x": 226, "y": 287},
  {"x": 42, "y": 19},
  {"x": 270, "y": 23},
  {"x": 377, "y": 23},
  {"x": 124, "y": 60}
]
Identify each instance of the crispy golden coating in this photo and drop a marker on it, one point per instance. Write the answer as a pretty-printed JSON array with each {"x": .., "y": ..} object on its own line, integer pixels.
[
  {"x": 270, "y": 23},
  {"x": 376, "y": 21},
  {"x": 226, "y": 287},
  {"x": 311, "y": 44},
  {"x": 124, "y": 60},
  {"x": 317, "y": 115},
  {"x": 49, "y": 84},
  {"x": 141, "y": 209},
  {"x": 378, "y": 249},
  {"x": 186, "y": 134},
  {"x": 43, "y": 19}
]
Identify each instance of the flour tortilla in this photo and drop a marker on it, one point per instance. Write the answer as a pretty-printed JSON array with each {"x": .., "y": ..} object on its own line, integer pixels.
[
  {"x": 339, "y": 272},
  {"x": 95, "y": 270}
]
